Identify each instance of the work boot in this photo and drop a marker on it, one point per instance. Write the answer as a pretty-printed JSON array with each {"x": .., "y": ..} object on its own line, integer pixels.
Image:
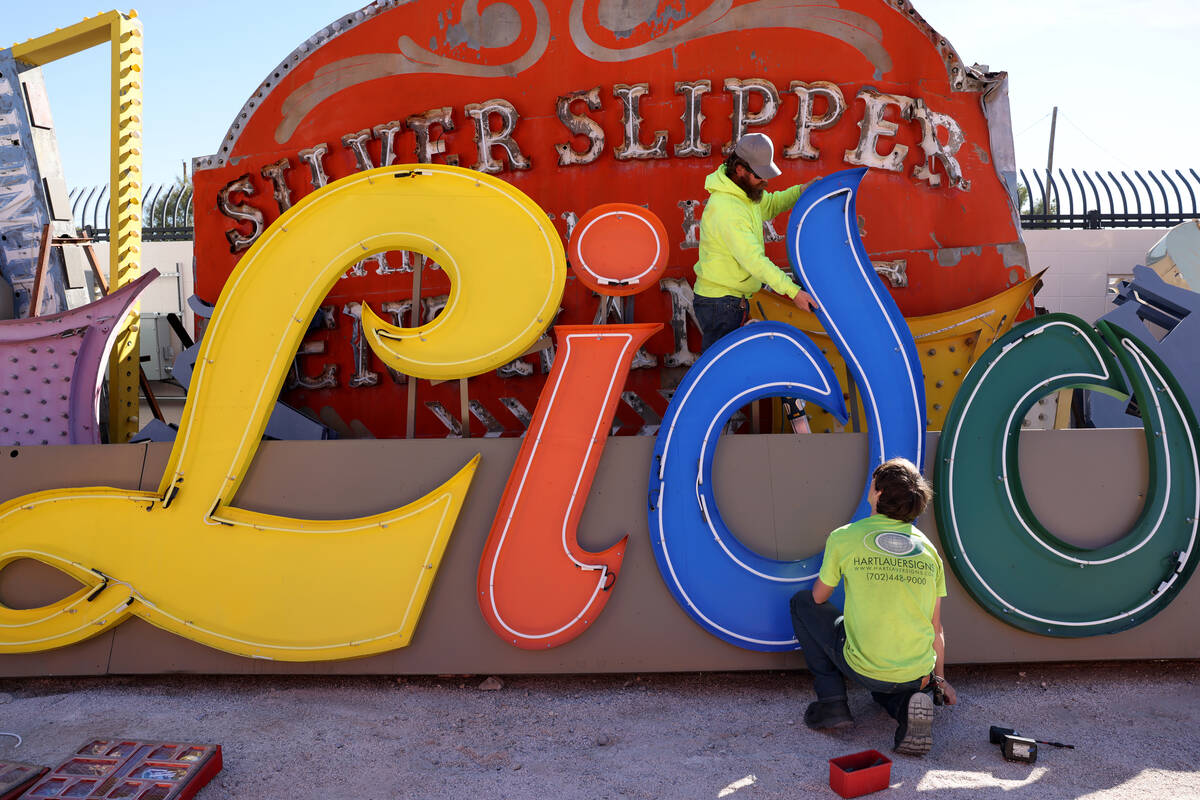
[
  {"x": 793, "y": 410},
  {"x": 914, "y": 734},
  {"x": 825, "y": 714}
]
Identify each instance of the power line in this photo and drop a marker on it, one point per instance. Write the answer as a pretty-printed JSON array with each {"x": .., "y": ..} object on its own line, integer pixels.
[
  {"x": 1034, "y": 125},
  {"x": 1103, "y": 149}
]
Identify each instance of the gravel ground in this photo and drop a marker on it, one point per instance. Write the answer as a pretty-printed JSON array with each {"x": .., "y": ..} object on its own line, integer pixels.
[{"x": 713, "y": 735}]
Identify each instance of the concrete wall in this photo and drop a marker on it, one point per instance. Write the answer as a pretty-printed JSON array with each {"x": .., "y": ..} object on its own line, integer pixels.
[
  {"x": 1081, "y": 263},
  {"x": 168, "y": 294},
  {"x": 171, "y": 259}
]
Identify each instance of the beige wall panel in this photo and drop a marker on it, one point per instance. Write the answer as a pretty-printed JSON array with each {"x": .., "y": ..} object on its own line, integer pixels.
[
  {"x": 31, "y": 469},
  {"x": 1087, "y": 486},
  {"x": 781, "y": 494},
  {"x": 28, "y": 584}
]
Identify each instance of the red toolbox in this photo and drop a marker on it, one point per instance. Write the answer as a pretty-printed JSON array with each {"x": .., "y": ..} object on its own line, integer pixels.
[
  {"x": 125, "y": 769},
  {"x": 860, "y": 773}
]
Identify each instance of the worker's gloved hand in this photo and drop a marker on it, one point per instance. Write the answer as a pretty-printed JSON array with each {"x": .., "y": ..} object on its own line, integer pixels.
[
  {"x": 804, "y": 301},
  {"x": 950, "y": 696}
]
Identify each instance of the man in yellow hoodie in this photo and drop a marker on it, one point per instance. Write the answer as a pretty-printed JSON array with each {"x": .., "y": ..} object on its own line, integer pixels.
[{"x": 732, "y": 264}]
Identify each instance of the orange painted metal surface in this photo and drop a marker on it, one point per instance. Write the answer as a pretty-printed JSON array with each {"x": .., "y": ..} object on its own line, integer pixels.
[
  {"x": 618, "y": 249},
  {"x": 537, "y": 587},
  {"x": 584, "y": 102}
]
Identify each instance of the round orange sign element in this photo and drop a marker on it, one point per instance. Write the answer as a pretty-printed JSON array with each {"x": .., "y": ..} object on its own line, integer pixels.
[{"x": 618, "y": 249}]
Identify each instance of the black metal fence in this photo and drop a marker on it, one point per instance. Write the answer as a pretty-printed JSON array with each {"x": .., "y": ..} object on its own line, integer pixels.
[
  {"x": 1088, "y": 199},
  {"x": 1093, "y": 200},
  {"x": 166, "y": 212}
]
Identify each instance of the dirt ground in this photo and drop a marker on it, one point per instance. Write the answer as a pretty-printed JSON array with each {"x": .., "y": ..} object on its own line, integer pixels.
[{"x": 713, "y": 735}]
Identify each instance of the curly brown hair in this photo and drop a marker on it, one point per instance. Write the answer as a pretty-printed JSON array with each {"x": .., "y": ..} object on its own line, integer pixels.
[
  {"x": 733, "y": 161},
  {"x": 903, "y": 491}
]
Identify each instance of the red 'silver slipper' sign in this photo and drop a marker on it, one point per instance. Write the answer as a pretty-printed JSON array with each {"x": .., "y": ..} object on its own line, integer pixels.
[{"x": 584, "y": 102}]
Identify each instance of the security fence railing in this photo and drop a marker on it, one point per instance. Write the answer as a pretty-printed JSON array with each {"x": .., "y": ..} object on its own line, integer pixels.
[
  {"x": 166, "y": 212},
  {"x": 1093, "y": 199},
  {"x": 1089, "y": 199}
]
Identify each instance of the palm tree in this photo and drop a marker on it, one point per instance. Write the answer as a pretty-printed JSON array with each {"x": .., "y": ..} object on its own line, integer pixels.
[{"x": 171, "y": 206}]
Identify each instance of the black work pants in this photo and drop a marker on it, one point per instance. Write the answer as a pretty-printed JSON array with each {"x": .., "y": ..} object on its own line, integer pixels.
[
  {"x": 822, "y": 635},
  {"x": 719, "y": 316}
]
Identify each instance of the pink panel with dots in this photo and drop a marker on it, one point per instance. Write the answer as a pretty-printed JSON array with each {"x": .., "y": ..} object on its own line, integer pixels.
[{"x": 51, "y": 369}]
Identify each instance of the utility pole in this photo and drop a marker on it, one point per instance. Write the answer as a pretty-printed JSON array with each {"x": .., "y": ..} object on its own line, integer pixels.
[
  {"x": 1049, "y": 163},
  {"x": 1050, "y": 155}
]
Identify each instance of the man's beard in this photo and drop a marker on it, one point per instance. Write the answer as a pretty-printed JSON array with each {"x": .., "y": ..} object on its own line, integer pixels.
[{"x": 755, "y": 193}]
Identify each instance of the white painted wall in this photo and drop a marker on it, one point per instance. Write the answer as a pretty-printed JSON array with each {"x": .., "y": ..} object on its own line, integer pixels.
[
  {"x": 168, "y": 294},
  {"x": 1080, "y": 263}
]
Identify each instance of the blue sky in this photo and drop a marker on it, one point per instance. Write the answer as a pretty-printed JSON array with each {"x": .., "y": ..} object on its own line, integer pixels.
[{"x": 1118, "y": 70}]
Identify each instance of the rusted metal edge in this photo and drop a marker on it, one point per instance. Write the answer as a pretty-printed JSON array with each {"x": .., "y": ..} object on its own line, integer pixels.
[{"x": 962, "y": 78}]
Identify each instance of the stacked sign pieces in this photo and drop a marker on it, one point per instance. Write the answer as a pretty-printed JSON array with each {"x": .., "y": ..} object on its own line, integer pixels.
[
  {"x": 16, "y": 777},
  {"x": 132, "y": 770}
]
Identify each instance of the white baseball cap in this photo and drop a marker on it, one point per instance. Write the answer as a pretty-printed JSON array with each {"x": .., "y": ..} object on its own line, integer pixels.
[{"x": 757, "y": 150}]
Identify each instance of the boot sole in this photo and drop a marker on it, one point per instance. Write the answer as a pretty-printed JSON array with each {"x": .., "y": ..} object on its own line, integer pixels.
[{"x": 919, "y": 738}]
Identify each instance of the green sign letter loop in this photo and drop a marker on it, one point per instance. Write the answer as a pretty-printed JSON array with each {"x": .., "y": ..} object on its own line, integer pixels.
[{"x": 1015, "y": 568}]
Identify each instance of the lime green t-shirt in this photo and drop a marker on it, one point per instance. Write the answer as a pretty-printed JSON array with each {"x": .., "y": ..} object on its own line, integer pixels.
[{"x": 894, "y": 576}]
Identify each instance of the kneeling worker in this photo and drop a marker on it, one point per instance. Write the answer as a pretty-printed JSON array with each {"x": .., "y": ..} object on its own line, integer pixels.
[{"x": 890, "y": 638}]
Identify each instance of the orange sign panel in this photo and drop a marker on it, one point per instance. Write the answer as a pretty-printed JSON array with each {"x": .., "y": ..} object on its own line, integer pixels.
[
  {"x": 537, "y": 587},
  {"x": 618, "y": 249}
]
